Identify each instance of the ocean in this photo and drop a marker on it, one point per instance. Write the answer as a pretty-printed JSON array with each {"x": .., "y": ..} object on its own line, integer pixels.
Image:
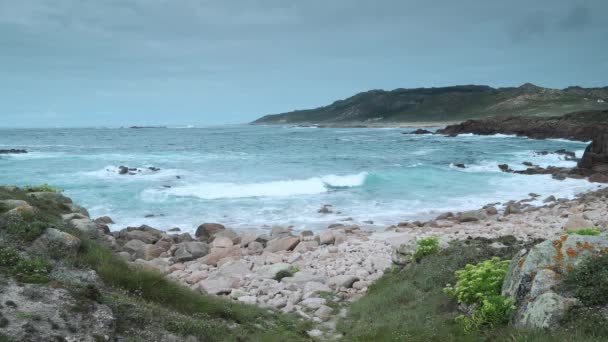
[{"x": 259, "y": 176}]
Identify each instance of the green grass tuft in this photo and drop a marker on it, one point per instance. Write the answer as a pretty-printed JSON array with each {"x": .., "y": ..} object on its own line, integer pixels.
[
  {"x": 286, "y": 273},
  {"x": 584, "y": 231}
]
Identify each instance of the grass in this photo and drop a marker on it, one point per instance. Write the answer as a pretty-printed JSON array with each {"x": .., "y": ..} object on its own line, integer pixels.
[
  {"x": 410, "y": 305},
  {"x": 584, "y": 231}
]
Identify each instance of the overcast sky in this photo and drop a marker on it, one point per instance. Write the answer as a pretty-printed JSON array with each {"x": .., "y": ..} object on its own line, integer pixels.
[{"x": 149, "y": 62}]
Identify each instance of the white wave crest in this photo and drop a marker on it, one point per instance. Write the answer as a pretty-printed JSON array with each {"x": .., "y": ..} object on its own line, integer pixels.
[{"x": 206, "y": 190}]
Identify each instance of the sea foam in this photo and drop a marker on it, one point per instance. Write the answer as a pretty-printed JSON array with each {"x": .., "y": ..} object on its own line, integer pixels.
[{"x": 282, "y": 188}]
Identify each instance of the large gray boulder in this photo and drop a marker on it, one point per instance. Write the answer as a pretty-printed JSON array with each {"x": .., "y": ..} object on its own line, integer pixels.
[
  {"x": 287, "y": 243},
  {"x": 534, "y": 276},
  {"x": 206, "y": 231},
  {"x": 56, "y": 242},
  {"x": 190, "y": 250},
  {"x": 473, "y": 216}
]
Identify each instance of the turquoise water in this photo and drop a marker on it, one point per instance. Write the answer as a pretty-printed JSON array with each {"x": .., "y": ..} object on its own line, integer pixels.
[{"x": 252, "y": 176}]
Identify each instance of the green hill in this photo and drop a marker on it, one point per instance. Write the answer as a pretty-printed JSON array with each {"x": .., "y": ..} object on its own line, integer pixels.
[{"x": 446, "y": 104}]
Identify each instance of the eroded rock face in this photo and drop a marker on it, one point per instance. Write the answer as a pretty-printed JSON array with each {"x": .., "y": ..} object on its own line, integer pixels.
[
  {"x": 596, "y": 154},
  {"x": 534, "y": 276}
]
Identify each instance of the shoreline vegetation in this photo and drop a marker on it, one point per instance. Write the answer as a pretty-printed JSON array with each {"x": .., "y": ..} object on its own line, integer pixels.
[{"x": 64, "y": 275}]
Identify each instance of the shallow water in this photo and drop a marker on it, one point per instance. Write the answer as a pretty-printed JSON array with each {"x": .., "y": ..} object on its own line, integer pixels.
[{"x": 250, "y": 176}]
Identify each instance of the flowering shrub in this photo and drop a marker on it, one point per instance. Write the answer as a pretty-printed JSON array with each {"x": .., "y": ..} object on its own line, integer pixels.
[
  {"x": 480, "y": 285},
  {"x": 426, "y": 247}
]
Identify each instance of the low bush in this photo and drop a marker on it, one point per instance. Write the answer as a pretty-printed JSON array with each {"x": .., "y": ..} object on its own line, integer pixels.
[
  {"x": 42, "y": 188},
  {"x": 9, "y": 256},
  {"x": 480, "y": 285},
  {"x": 23, "y": 227},
  {"x": 584, "y": 231},
  {"x": 426, "y": 247},
  {"x": 35, "y": 270},
  {"x": 588, "y": 281}
]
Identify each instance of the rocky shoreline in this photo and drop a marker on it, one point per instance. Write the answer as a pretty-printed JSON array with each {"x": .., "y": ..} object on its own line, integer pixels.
[
  {"x": 582, "y": 126},
  {"x": 307, "y": 274}
]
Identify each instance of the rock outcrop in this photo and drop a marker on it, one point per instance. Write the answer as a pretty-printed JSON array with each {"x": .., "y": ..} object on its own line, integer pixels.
[
  {"x": 595, "y": 157},
  {"x": 534, "y": 276},
  {"x": 583, "y": 126}
]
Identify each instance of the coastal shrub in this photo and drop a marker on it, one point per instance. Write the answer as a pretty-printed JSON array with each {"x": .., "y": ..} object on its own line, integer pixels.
[
  {"x": 42, "y": 188},
  {"x": 480, "y": 285},
  {"x": 286, "y": 273},
  {"x": 426, "y": 247},
  {"x": 8, "y": 256},
  {"x": 584, "y": 231},
  {"x": 588, "y": 281},
  {"x": 33, "y": 270},
  {"x": 24, "y": 227}
]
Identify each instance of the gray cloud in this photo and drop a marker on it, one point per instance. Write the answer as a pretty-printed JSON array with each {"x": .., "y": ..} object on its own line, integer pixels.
[
  {"x": 577, "y": 18},
  {"x": 205, "y": 61}
]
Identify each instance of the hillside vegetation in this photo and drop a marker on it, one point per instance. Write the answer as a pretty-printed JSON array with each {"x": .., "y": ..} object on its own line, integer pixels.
[{"x": 446, "y": 104}]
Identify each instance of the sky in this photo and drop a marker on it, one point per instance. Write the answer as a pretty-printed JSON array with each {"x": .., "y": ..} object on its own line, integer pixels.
[{"x": 86, "y": 63}]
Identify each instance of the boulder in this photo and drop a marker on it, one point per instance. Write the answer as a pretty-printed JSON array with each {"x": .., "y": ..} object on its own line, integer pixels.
[
  {"x": 546, "y": 311},
  {"x": 598, "y": 178},
  {"x": 221, "y": 242},
  {"x": 217, "y": 254},
  {"x": 247, "y": 237},
  {"x": 54, "y": 241},
  {"x": 577, "y": 222},
  {"x": 326, "y": 237},
  {"x": 145, "y": 236},
  {"x": 550, "y": 199},
  {"x": 533, "y": 275},
  {"x": 473, "y": 216},
  {"x": 85, "y": 225},
  {"x": 148, "y": 252},
  {"x": 251, "y": 300},
  {"x": 313, "y": 288},
  {"x": 279, "y": 232},
  {"x": 340, "y": 281},
  {"x": 133, "y": 246},
  {"x": 255, "y": 247},
  {"x": 217, "y": 284},
  {"x": 12, "y": 204},
  {"x": 104, "y": 220},
  {"x": 230, "y": 234},
  {"x": 303, "y": 277},
  {"x": 287, "y": 243},
  {"x": 235, "y": 269},
  {"x": 269, "y": 271},
  {"x": 512, "y": 209},
  {"x": 23, "y": 208},
  {"x": 206, "y": 231},
  {"x": 305, "y": 246}
]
